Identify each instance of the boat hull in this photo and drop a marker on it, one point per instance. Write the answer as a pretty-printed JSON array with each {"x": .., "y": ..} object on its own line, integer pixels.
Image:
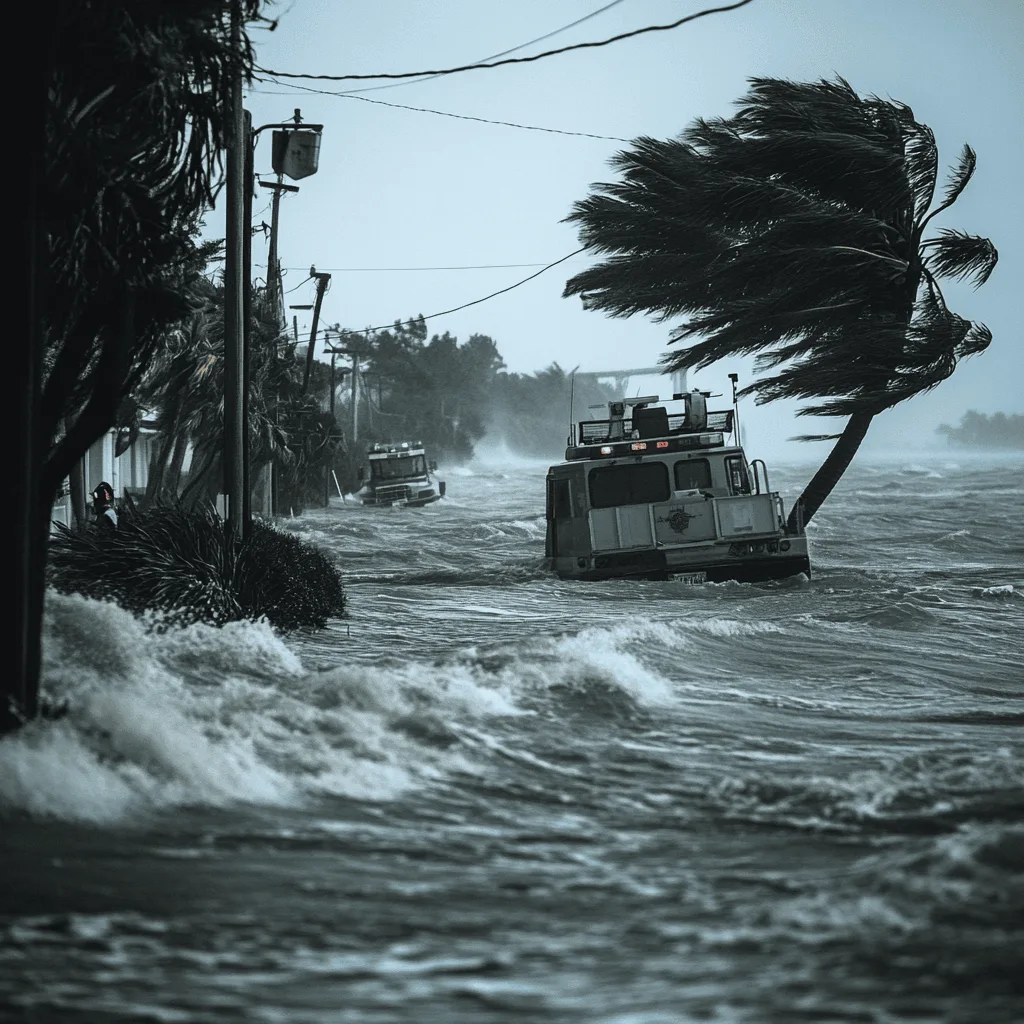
[
  {"x": 718, "y": 564},
  {"x": 406, "y": 497}
]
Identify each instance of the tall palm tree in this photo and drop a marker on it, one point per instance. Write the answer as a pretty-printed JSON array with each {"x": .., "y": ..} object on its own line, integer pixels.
[{"x": 794, "y": 231}]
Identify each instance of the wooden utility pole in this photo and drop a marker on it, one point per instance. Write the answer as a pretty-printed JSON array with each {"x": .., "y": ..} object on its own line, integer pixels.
[
  {"x": 236, "y": 227},
  {"x": 321, "y": 287},
  {"x": 273, "y": 260},
  {"x": 246, "y": 452}
]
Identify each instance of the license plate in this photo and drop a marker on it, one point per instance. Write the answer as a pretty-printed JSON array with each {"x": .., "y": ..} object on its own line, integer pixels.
[{"x": 692, "y": 577}]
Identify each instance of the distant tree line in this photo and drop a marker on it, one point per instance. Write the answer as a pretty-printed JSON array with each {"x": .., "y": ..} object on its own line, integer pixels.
[
  {"x": 976, "y": 430},
  {"x": 450, "y": 395}
]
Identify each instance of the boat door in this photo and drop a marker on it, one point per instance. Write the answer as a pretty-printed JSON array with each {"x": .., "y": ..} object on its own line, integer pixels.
[{"x": 565, "y": 503}]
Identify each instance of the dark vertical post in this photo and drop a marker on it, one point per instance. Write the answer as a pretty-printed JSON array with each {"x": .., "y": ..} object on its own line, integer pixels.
[
  {"x": 27, "y": 535},
  {"x": 355, "y": 396},
  {"x": 234, "y": 260},
  {"x": 321, "y": 287},
  {"x": 246, "y": 445},
  {"x": 327, "y": 469},
  {"x": 273, "y": 271}
]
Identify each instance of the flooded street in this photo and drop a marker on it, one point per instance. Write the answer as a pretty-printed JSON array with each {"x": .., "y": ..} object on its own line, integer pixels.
[{"x": 493, "y": 796}]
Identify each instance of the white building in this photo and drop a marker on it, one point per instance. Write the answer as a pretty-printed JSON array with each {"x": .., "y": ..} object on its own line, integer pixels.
[{"x": 127, "y": 473}]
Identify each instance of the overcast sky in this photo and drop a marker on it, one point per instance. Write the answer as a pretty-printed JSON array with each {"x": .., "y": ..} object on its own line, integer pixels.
[{"x": 406, "y": 189}]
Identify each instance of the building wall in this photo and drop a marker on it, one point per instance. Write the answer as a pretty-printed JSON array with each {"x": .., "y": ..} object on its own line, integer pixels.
[{"x": 128, "y": 470}]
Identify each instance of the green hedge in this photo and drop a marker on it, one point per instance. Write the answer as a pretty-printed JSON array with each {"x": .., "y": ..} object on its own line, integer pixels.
[{"x": 178, "y": 561}]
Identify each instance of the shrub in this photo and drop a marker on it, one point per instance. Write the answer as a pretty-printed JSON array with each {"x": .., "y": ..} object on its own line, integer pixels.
[{"x": 178, "y": 562}]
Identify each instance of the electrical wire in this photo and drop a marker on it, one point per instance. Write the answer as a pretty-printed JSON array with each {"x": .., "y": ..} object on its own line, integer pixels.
[
  {"x": 478, "y": 266},
  {"x": 441, "y": 113},
  {"x": 465, "y": 305},
  {"x": 503, "y": 53},
  {"x": 511, "y": 60},
  {"x": 298, "y": 286},
  {"x": 476, "y": 302}
]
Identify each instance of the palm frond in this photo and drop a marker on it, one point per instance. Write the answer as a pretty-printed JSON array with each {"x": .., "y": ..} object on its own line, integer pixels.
[
  {"x": 960, "y": 255},
  {"x": 958, "y": 179},
  {"x": 922, "y": 161},
  {"x": 789, "y": 232}
]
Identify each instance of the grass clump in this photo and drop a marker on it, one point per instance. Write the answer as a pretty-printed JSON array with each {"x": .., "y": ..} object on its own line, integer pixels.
[{"x": 178, "y": 562}]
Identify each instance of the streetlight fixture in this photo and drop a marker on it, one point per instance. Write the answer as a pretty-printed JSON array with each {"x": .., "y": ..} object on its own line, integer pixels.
[{"x": 296, "y": 155}]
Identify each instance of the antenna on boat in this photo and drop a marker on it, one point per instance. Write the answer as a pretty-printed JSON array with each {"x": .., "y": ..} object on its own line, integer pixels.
[
  {"x": 572, "y": 396},
  {"x": 734, "y": 377}
]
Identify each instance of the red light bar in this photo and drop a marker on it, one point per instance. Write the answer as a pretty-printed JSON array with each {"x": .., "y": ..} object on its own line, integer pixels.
[
  {"x": 662, "y": 444},
  {"x": 639, "y": 446}
]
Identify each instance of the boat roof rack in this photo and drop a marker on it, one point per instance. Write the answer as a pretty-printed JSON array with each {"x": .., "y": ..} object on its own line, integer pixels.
[{"x": 603, "y": 431}]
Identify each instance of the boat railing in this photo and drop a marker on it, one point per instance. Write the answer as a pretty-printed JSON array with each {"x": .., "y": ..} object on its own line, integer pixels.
[{"x": 602, "y": 431}]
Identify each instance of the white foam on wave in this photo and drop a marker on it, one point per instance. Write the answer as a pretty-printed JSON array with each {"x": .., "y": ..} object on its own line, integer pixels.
[
  {"x": 732, "y": 627},
  {"x": 1002, "y": 590},
  {"x": 208, "y": 717},
  {"x": 598, "y": 656}
]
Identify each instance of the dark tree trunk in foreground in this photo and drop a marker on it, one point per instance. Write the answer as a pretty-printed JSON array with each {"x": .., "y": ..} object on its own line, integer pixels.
[
  {"x": 27, "y": 539},
  {"x": 824, "y": 481}
]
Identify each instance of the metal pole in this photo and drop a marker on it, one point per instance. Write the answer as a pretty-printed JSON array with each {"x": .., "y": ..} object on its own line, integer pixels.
[
  {"x": 250, "y": 184},
  {"x": 333, "y": 357},
  {"x": 327, "y": 479},
  {"x": 234, "y": 265},
  {"x": 355, "y": 397}
]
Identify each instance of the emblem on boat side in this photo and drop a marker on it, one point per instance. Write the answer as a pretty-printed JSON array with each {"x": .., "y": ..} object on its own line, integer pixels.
[{"x": 678, "y": 521}]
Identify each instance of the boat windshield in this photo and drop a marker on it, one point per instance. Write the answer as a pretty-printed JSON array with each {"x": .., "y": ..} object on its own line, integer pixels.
[{"x": 396, "y": 469}]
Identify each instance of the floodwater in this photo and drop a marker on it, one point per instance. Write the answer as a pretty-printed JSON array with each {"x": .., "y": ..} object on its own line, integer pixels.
[{"x": 492, "y": 796}]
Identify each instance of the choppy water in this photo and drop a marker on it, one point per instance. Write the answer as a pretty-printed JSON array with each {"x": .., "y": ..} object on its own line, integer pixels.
[{"x": 494, "y": 796}]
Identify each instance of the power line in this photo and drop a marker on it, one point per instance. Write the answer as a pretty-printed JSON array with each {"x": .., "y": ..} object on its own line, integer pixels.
[
  {"x": 477, "y": 266},
  {"x": 512, "y": 60},
  {"x": 299, "y": 285},
  {"x": 466, "y": 305},
  {"x": 444, "y": 113},
  {"x": 504, "y": 53}
]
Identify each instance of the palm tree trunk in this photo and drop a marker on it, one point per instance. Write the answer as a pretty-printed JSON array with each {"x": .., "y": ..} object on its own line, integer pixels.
[{"x": 832, "y": 469}]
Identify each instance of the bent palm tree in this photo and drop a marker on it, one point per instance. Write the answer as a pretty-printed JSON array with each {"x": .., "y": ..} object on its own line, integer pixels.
[{"x": 794, "y": 231}]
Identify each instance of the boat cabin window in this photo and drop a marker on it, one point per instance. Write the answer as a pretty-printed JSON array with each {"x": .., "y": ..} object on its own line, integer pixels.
[
  {"x": 558, "y": 495},
  {"x": 395, "y": 469},
  {"x": 693, "y": 475},
  {"x": 736, "y": 471},
  {"x": 637, "y": 484}
]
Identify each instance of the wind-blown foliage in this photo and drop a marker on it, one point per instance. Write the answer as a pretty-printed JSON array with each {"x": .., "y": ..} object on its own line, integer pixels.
[
  {"x": 793, "y": 231},
  {"x": 127, "y": 103},
  {"x": 184, "y": 386},
  {"x": 179, "y": 562},
  {"x": 135, "y": 131}
]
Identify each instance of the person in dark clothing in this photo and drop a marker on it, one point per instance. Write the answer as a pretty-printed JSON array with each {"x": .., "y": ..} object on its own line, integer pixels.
[{"x": 103, "y": 506}]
